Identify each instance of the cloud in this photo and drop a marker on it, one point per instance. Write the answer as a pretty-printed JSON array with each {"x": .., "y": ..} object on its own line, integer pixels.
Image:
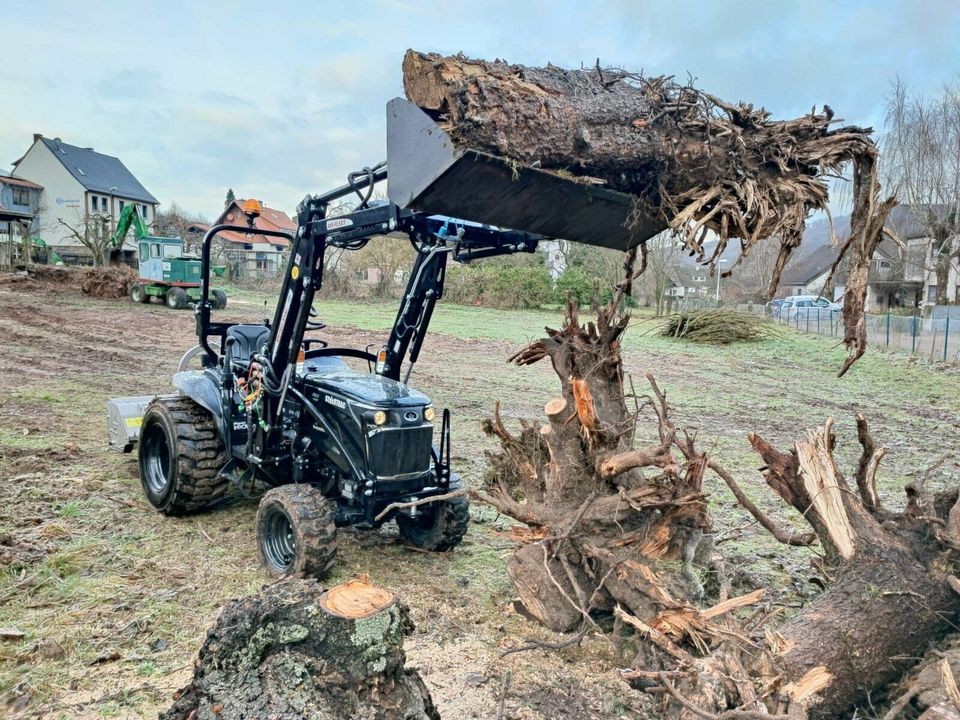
[{"x": 282, "y": 100}]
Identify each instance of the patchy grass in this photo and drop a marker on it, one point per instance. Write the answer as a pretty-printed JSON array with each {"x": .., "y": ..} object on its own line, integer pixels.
[{"x": 114, "y": 599}]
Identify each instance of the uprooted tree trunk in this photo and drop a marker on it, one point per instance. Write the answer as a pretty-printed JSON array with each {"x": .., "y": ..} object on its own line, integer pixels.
[
  {"x": 613, "y": 527},
  {"x": 612, "y": 524},
  {"x": 889, "y": 594},
  {"x": 888, "y": 577},
  {"x": 693, "y": 161},
  {"x": 295, "y": 650}
]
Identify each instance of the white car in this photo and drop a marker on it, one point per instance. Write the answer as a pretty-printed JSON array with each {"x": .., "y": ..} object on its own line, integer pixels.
[{"x": 807, "y": 307}]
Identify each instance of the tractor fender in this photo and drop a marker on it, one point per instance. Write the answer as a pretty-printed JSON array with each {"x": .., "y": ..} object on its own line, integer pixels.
[{"x": 202, "y": 389}]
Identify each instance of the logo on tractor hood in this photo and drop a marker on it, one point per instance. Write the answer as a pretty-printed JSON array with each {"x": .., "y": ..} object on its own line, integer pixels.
[{"x": 336, "y": 402}]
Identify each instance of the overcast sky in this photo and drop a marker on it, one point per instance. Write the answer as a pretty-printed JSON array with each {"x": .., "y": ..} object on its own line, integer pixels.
[{"x": 279, "y": 99}]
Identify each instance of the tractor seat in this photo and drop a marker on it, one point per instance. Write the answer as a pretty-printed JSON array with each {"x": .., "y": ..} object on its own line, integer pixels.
[{"x": 247, "y": 339}]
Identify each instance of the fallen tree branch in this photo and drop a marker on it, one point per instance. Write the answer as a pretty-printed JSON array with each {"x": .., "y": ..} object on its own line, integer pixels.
[{"x": 417, "y": 503}]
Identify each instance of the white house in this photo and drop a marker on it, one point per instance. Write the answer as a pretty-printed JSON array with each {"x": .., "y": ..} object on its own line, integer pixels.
[{"x": 78, "y": 184}]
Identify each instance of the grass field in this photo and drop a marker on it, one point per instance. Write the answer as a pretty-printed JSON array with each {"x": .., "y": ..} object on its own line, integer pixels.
[{"x": 113, "y": 600}]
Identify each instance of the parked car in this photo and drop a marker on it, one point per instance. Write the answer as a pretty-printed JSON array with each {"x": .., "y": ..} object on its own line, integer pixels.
[
  {"x": 773, "y": 307},
  {"x": 803, "y": 308}
]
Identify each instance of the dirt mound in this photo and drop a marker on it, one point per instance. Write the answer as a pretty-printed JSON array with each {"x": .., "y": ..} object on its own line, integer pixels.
[
  {"x": 26, "y": 461},
  {"x": 108, "y": 282},
  {"x": 41, "y": 274}
]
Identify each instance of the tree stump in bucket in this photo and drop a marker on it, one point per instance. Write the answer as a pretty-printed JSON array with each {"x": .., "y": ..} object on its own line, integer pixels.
[{"x": 297, "y": 650}]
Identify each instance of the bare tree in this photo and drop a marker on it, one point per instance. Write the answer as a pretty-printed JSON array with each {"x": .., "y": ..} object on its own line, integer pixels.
[
  {"x": 921, "y": 161},
  {"x": 92, "y": 230},
  {"x": 663, "y": 257},
  {"x": 386, "y": 255},
  {"x": 179, "y": 222},
  {"x": 756, "y": 271}
]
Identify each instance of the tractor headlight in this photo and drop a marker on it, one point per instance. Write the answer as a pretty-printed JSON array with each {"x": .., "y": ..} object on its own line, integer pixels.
[
  {"x": 379, "y": 417},
  {"x": 429, "y": 414}
]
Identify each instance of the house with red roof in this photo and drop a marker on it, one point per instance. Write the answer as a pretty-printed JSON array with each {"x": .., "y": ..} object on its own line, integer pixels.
[{"x": 251, "y": 254}]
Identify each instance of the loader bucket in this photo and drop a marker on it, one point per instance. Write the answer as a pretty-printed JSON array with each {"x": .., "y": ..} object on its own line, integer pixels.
[{"x": 427, "y": 173}]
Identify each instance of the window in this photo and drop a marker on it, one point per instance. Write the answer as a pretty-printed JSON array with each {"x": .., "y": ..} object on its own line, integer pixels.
[
  {"x": 155, "y": 250},
  {"x": 21, "y": 196},
  {"x": 823, "y": 302},
  {"x": 171, "y": 251},
  {"x": 144, "y": 251},
  {"x": 93, "y": 203},
  {"x": 143, "y": 211},
  {"x": 931, "y": 293},
  {"x": 103, "y": 204},
  {"x": 121, "y": 206}
]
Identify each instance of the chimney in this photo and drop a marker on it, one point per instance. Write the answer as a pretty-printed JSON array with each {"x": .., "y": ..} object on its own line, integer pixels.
[{"x": 37, "y": 136}]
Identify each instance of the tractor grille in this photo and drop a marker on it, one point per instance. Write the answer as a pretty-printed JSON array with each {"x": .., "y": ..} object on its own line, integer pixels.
[{"x": 400, "y": 451}]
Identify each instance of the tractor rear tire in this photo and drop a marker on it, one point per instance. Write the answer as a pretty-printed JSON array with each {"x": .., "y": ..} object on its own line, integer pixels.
[
  {"x": 438, "y": 526},
  {"x": 177, "y": 298},
  {"x": 297, "y": 531},
  {"x": 219, "y": 300},
  {"x": 138, "y": 293},
  {"x": 181, "y": 453}
]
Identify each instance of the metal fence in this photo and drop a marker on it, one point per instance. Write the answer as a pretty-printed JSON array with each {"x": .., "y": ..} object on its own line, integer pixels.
[{"x": 937, "y": 339}]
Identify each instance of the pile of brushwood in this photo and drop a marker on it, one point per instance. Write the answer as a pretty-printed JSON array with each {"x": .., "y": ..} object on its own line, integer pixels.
[
  {"x": 699, "y": 164},
  {"x": 617, "y": 528},
  {"x": 717, "y": 326}
]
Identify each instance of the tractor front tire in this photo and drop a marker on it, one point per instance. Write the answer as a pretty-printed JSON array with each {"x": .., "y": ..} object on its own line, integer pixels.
[
  {"x": 219, "y": 300},
  {"x": 297, "y": 531},
  {"x": 138, "y": 293},
  {"x": 181, "y": 454},
  {"x": 177, "y": 298},
  {"x": 439, "y": 526}
]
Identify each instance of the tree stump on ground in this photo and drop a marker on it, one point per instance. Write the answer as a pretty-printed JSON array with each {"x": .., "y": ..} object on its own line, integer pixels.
[{"x": 296, "y": 650}]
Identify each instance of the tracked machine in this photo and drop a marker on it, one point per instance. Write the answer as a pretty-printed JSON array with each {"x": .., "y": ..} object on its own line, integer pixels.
[{"x": 274, "y": 405}]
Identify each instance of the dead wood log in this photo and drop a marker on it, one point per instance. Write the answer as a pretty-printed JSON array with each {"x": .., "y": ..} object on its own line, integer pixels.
[
  {"x": 929, "y": 690},
  {"x": 697, "y": 163},
  {"x": 888, "y": 592},
  {"x": 295, "y": 650}
]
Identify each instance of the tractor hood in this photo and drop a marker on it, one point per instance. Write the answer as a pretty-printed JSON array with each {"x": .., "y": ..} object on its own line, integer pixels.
[{"x": 366, "y": 388}]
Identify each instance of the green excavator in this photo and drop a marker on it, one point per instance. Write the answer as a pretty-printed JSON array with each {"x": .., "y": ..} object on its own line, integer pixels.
[
  {"x": 43, "y": 253},
  {"x": 164, "y": 271}
]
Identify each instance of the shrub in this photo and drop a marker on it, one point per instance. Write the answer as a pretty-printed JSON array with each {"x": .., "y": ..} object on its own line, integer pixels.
[
  {"x": 499, "y": 285},
  {"x": 585, "y": 286}
]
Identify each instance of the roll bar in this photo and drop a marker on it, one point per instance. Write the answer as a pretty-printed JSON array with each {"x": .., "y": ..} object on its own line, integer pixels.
[{"x": 203, "y": 307}]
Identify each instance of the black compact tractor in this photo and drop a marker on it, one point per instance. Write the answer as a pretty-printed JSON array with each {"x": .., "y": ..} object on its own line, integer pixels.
[{"x": 274, "y": 405}]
